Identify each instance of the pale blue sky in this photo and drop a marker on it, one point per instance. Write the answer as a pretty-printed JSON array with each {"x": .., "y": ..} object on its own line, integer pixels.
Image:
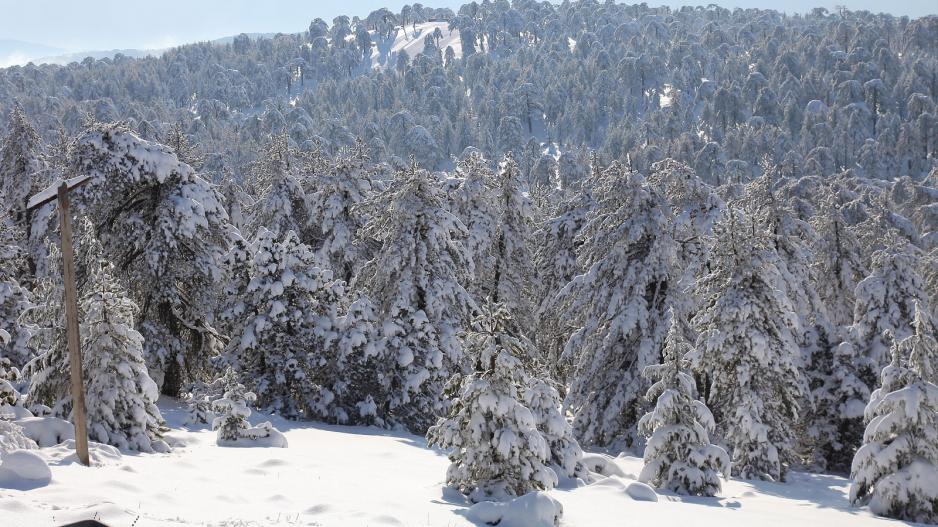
[{"x": 105, "y": 24}]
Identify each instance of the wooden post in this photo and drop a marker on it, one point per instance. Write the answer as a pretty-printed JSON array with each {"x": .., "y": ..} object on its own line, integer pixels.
[
  {"x": 60, "y": 190},
  {"x": 71, "y": 324}
]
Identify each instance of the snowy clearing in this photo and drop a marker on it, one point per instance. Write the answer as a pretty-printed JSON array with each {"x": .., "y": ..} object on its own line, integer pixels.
[{"x": 332, "y": 475}]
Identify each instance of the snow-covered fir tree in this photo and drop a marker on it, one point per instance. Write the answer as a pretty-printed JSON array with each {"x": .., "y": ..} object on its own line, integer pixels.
[
  {"x": 497, "y": 451},
  {"x": 555, "y": 262},
  {"x": 679, "y": 455},
  {"x": 120, "y": 396},
  {"x": 284, "y": 320},
  {"x": 620, "y": 304},
  {"x": 747, "y": 351},
  {"x": 416, "y": 282},
  {"x": 896, "y": 469},
  {"x": 360, "y": 381},
  {"x": 837, "y": 262}
]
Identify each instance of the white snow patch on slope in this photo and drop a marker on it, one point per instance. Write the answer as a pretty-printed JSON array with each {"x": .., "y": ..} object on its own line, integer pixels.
[
  {"x": 356, "y": 476},
  {"x": 411, "y": 42}
]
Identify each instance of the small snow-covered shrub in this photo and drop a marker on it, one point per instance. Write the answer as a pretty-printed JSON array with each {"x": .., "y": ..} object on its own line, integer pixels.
[
  {"x": 47, "y": 431},
  {"x": 232, "y": 424},
  {"x": 13, "y": 438},
  {"x": 202, "y": 397},
  {"x": 232, "y": 413}
]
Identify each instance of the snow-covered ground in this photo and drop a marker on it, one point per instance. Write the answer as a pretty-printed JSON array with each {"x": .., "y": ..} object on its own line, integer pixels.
[{"x": 346, "y": 476}]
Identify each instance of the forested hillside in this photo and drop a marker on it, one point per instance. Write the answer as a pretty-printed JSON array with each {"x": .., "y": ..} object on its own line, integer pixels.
[{"x": 524, "y": 229}]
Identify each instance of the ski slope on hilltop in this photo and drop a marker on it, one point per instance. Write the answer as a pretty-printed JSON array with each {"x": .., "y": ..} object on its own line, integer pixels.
[{"x": 347, "y": 476}]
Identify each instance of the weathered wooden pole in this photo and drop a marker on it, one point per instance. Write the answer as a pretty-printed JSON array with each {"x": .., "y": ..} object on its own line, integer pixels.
[
  {"x": 71, "y": 325},
  {"x": 71, "y": 308}
]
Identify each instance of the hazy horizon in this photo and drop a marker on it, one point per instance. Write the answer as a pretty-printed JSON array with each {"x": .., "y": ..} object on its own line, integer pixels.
[{"x": 113, "y": 24}]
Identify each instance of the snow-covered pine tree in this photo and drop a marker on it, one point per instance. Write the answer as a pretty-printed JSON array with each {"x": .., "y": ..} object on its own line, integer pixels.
[
  {"x": 283, "y": 323},
  {"x": 833, "y": 422},
  {"x": 497, "y": 450},
  {"x": 837, "y": 261},
  {"x": 834, "y": 428},
  {"x": 791, "y": 239},
  {"x": 48, "y": 371},
  {"x": 177, "y": 139},
  {"x": 336, "y": 194},
  {"x": 885, "y": 302},
  {"x": 282, "y": 205},
  {"x": 620, "y": 304},
  {"x": 896, "y": 470},
  {"x": 474, "y": 202},
  {"x": 566, "y": 456},
  {"x": 21, "y": 175},
  {"x": 165, "y": 229},
  {"x": 678, "y": 454},
  {"x": 14, "y": 300},
  {"x": 119, "y": 394},
  {"x": 416, "y": 281},
  {"x": 360, "y": 385},
  {"x": 555, "y": 262},
  {"x": 509, "y": 281},
  {"x": 746, "y": 351}
]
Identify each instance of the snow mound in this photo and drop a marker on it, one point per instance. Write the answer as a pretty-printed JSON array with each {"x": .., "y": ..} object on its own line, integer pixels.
[
  {"x": 641, "y": 492},
  {"x": 634, "y": 489},
  {"x": 262, "y": 435},
  {"x": 534, "y": 509},
  {"x": 100, "y": 454},
  {"x": 47, "y": 431},
  {"x": 23, "y": 466},
  {"x": 602, "y": 464}
]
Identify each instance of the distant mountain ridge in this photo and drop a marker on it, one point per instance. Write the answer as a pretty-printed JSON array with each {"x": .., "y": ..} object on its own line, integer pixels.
[{"x": 14, "y": 52}]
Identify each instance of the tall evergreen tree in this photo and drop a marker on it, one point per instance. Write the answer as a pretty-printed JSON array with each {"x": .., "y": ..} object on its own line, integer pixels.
[
  {"x": 284, "y": 323},
  {"x": 165, "y": 229},
  {"x": 747, "y": 350},
  {"x": 885, "y": 303},
  {"x": 620, "y": 304},
  {"x": 416, "y": 281},
  {"x": 510, "y": 275},
  {"x": 22, "y": 174},
  {"x": 333, "y": 203}
]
